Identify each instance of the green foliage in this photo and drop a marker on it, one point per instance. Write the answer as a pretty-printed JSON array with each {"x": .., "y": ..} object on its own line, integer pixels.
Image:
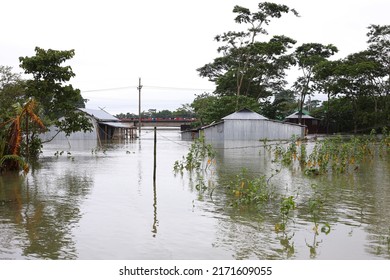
[
  {"x": 17, "y": 139},
  {"x": 12, "y": 90},
  {"x": 199, "y": 157},
  {"x": 314, "y": 208},
  {"x": 283, "y": 105},
  {"x": 287, "y": 205},
  {"x": 185, "y": 111},
  {"x": 249, "y": 191},
  {"x": 72, "y": 122},
  {"x": 307, "y": 57},
  {"x": 334, "y": 154},
  {"x": 210, "y": 107},
  {"x": 49, "y": 87},
  {"x": 360, "y": 84},
  {"x": 247, "y": 66},
  {"x": 13, "y": 163}
]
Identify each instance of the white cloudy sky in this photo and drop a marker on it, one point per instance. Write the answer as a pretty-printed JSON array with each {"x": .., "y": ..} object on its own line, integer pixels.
[{"x": 163, "y": 42}]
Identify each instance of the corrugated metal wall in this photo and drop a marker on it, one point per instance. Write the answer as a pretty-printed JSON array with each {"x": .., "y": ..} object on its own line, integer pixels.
[
  {"x": 215, "y": 132},
  {"x": 189, "y": 135},
  {"x": 253, "y": 130},
  {"x": 74, "y": 136}
]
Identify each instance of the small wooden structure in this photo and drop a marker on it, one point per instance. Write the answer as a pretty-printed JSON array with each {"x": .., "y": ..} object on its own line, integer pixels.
[{"x": 311, "y": 123}]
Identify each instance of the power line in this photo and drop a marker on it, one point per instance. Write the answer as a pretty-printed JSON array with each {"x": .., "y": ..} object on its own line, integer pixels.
[
  {"x": 109, "y": 89},
  {"x": 150, "y": 87},
  {"x": 179, "y": 88}
]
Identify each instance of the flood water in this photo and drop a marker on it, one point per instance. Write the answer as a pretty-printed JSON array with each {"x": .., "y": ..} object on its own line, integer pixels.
[{"x": 102, "y": 204}]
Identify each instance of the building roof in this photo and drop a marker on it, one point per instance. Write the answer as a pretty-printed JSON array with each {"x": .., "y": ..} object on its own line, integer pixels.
[
  {"x": 99, "y": 115},
  {"x": 295, "y": 115},
  {"x": 245, "y": 114},
  {"x": 118, "y": 124}
]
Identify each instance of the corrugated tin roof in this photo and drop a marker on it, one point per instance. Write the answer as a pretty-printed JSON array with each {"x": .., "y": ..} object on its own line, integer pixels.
[
  {"x": 210, "y": 125},
  {"x": 245, "y": 114},
  {"x": 118, "y": 124},
  {"x": 295, "y": 116},
  {"x": 100, "y": 115}
]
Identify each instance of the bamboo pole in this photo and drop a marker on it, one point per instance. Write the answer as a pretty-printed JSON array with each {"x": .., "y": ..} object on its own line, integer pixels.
[
  {"x": 139, "y": 108},
  {"x": 155, "y": 155}
]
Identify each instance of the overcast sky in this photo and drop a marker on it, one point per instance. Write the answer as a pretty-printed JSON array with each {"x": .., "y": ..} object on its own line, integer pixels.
[{"x": 162, "y": 41}]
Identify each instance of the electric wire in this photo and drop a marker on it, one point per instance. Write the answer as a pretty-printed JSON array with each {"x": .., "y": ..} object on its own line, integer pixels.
[
  {"x": 174, "y": 141},
  {"x": 147, "y": 87}
]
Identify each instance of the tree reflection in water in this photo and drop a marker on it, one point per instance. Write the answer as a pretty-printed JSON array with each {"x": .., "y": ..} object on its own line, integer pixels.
[{"x": 39, "y": 213}]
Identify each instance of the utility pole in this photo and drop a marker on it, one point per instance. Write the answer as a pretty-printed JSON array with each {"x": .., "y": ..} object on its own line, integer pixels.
[{"x": 139, "y": 107}]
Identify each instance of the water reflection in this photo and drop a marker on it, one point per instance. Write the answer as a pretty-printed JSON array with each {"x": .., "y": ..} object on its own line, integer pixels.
[
  {"x": 39, "y": 213},
  {"x": 155, "y": 220},
  {"x": 102, "y": 205},
  {"x": 359, "y": 200}
]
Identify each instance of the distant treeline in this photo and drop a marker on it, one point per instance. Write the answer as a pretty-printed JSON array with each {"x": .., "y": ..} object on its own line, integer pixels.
[{"x": 185, "y": 111}]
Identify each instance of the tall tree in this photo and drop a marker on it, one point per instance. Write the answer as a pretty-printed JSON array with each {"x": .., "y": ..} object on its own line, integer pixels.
[
  {"x": 247, "y": 66},
  {"x": 283, "y": 105},
  {"x": 326, "y": 80},
  {"x": 307, "y": 56},
  {"x": 352, "y": 80},
  {"x": 379, "y": 51},
  {"x": 49, "y": 86}
]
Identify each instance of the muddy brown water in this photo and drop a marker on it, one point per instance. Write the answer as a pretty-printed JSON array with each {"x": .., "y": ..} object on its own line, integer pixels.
[{"x": 102, "y": 204}]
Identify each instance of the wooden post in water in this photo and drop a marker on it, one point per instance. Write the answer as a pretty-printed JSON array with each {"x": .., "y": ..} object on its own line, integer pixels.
[
  {"x": 155, "y": 221},
  {"x": 155, "y": 155},
  {"x": 139, "y": 108}
]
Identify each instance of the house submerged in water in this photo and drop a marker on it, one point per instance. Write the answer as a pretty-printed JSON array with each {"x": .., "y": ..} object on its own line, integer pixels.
[
  {"x": 312, "y": 124},
  {"x": 249, "y": 126},
  {"x": 104, "y": 127}
]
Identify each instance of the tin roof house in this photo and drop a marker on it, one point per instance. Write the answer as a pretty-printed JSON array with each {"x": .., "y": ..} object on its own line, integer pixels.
[
  {"x": 104, "y": 127},
  {"x": 311, "y": 123},
  {"x": 248, "y": 125}
]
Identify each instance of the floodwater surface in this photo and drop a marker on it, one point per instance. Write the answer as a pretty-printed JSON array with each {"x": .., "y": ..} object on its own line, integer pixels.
[{"x": 89, "y": 203}]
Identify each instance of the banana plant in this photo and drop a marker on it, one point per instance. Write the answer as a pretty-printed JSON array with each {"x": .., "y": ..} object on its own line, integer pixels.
[{"x": 10, "y": 143}]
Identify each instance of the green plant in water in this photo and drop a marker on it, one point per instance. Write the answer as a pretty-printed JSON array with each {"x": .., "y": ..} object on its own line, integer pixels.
[
  {"x": 287, "y": 204},
  {"x": 325, "y": 228},
  {"x": 249, "y": 191},
  {"x": 278, "y": 152},
  {"x": 21, "y": 163},
  {"x": 200, "y": 156},
  {"x": 200, "y": 184},
  {"x": 384, "y": 144},
  {"x": 315, "y": 206},
  {"x": 337, "y": 155},
  {"x": 291, "y": 153},
  {"x": 17, "y": 134},
  {"x": 303, "y": 154}
]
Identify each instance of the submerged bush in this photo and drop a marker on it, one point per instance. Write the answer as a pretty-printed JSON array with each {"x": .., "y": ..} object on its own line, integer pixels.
[
  {"x": 249, "y": 191},
  {"x": 200, "y": 156},
  {"x": 336, "y": 155}
]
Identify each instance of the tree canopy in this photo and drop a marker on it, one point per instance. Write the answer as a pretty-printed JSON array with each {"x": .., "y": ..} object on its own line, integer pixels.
[
  {"x": 248, "y": 66},
  {"x": 251, "y": 69},
  {"x": 49, "y": 86},
  {"x": 28, "y": 106},
  {"x": 307, "y": 56}
]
